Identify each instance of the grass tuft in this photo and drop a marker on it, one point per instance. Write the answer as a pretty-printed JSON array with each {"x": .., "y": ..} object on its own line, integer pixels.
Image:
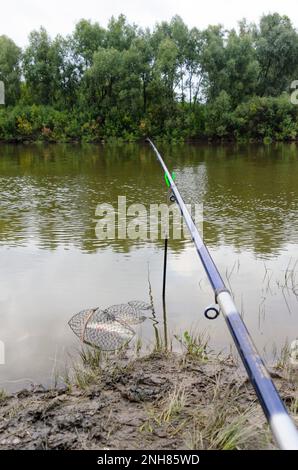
[
  {"x": 226, "y": 433},
  {"x": 3, "y": 395},
  {"x": 173, "y": 404},
  {"x": 91, "y": 357},
  {"x": 195, "y": 346}
]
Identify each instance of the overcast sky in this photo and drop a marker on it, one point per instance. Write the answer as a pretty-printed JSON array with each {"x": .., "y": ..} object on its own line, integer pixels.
[{"x": 19, "y": 17}]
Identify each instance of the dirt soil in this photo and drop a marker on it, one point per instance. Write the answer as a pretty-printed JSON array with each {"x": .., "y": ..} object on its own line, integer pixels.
[{"x": 163, "y": 401}]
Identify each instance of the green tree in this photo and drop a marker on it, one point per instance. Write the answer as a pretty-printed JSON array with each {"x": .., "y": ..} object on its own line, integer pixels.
[
  {"x": 10, "y": 72},
  {"x": 166, "y": 67},
  {"x": 50, "y": 70},
  {"x": 142, "y": 51},
  {"x": 66, "y": 72},
  {"x": 87, "y": 38},
  {"x": 230, "y": 62},
  {"x": 213, "y": 60},
  {"x": 39, "y": 64},
  {"x": 180, "y": 35},
  {"x": 276, "y": 43},
  {"x": 218, "y": 122},
  {"x": 195, "y": 75},
  {"x": 120, "y": 34},
  {"x": 101, "y": 86},
  {"x": 240, "y": 74}
]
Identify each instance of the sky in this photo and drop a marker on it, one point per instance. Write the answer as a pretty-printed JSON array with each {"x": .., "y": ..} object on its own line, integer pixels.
[{"x": 19, "y": 17}]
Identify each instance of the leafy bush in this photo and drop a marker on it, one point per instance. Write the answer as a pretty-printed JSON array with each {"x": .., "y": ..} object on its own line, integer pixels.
[
  {"x": 218, "y": 121},
  {"x": 266, "y": 117},
  {"x": 259, "y": 118}
]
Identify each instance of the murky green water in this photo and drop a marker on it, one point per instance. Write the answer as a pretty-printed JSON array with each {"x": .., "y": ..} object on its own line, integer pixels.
[{"x": 52, "y": 264}]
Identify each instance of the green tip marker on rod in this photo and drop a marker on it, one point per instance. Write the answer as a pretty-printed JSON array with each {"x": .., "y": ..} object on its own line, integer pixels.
[{"x": 167, "y": 179}]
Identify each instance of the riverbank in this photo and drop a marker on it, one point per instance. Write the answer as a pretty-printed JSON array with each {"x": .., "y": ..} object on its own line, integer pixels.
[
  {"x": 161, "y": 401},
  {"x": 117, "y": 141},
  {"x": 259, "y": 119}
]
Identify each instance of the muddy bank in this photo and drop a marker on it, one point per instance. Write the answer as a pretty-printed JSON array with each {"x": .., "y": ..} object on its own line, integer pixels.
[{"x": 162, "y": 401}]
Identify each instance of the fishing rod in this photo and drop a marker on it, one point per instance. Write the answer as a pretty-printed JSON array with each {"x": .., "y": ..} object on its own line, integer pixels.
[{"x": 282, "y": 426}]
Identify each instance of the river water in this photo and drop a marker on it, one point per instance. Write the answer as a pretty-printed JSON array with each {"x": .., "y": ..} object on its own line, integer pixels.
[{"x": 53, "y": 265}]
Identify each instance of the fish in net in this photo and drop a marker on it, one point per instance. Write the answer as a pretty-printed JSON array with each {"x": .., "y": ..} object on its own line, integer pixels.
[
  {"x": 130, "y": 313},
  {"x": 108, "y": 329}
]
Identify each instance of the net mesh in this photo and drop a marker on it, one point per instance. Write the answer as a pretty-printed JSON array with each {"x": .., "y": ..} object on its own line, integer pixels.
[
  {"x": 109, "y": 329},
  {"x": 130, "y": 313}
]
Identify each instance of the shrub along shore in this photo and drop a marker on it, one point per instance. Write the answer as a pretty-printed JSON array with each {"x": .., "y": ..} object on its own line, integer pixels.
[{"x": 257, "y": 120}]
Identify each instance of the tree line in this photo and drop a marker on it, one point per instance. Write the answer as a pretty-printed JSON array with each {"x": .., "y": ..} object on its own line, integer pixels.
[{"x": 171, "y": 82}]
